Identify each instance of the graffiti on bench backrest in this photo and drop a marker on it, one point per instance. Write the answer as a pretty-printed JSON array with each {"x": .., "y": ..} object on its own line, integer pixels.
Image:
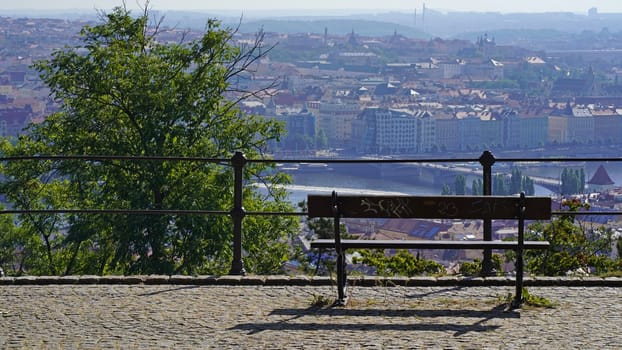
[
  {"x": 491, "y": 206},
  {"x": 432, "y": 207},
  {"x": 392, "y": 207}
]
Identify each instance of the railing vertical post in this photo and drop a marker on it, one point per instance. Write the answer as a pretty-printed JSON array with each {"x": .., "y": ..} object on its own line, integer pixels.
[
  {"x": 487, "y": 159},
  {"x": 237, "y": 213}
]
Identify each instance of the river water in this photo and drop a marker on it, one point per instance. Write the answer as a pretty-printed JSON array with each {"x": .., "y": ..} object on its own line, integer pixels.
[{"x": 324, "y": 182}]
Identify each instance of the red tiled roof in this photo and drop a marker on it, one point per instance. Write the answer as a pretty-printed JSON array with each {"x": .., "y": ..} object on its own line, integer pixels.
[{"x": 601, "y": 177}]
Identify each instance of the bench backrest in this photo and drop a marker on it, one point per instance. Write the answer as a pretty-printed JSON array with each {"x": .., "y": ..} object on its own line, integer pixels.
[{"x": 430, "y": 207}]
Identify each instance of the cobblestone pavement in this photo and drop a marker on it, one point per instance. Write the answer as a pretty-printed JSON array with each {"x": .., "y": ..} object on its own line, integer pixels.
[{"x": 142, "y": 316}]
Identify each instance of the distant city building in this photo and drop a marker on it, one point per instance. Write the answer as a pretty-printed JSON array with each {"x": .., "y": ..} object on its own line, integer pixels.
[
  {"x": 572, "y": 125},
  {"x": 300, "y": 130},
  {"x": 300, "y": 133},
  {"x": 607, "y": 126},
  {"x": 335, "y": 119},
  {"x": 526, "y": 131},
  {"x": 383, "y": 130}
]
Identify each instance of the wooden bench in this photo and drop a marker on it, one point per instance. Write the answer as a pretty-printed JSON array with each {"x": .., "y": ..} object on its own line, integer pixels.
[{"x": 518, "y": 208}]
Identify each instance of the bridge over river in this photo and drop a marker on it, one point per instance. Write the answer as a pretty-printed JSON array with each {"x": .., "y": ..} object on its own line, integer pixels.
[
  {"x": 438, "y": 173},
  {"x": 552, "y": 184}
]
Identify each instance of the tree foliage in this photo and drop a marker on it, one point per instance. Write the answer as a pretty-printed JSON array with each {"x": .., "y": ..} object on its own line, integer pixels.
[
  {"x": 446, "y": 190},
  {"x": 475, "y": 268},
  {"x": 516, "y": 183},
  {"x": 574, "y": 245},
  {"x": 402, "y": 263},
  {"x": 126, "y": 92},
  {"x": 572, "y": 181},
  {"x": 12, "y": 240},
  {"x": 321, "y": 140},
  {"x": 477, "y": 187},
  {"x": 460, "y": 185},
  {"x": 499, "y": 185}
]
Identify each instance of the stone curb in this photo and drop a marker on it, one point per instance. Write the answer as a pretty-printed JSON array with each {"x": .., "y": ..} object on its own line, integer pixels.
[{"x": 278, "y": 280}]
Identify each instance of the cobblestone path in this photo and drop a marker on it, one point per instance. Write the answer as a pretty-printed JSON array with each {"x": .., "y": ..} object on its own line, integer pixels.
[{"x": 293, "y": 317}]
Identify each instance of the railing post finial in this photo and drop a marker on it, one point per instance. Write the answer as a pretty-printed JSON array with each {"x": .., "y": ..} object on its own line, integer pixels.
[{"x": 487, "y": 159}]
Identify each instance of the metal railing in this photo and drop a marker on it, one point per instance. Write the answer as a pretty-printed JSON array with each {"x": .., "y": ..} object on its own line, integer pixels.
[{"x": 237, "y": 212}]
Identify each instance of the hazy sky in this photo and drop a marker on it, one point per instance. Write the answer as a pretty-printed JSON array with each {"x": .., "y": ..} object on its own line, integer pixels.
[{"x": 577, "y": 6}]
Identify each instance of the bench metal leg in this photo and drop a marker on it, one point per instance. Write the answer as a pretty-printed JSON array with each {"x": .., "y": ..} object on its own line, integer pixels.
[
  {"x": 341, "y": 279},
  {"x": 518, "y": 298},
  {"x": 341, "y": 254}
]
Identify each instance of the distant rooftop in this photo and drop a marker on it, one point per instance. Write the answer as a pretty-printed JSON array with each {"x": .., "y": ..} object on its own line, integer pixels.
[{"x": 601, "y": 177}]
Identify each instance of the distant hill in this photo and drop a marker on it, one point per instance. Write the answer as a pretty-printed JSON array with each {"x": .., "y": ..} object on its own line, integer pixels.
[
  {"x": 523, "y": 29},
  {"x": 452, "y": 24},
  {"x": 334, "y": 27},
  {"x": 508, "y": 28}
]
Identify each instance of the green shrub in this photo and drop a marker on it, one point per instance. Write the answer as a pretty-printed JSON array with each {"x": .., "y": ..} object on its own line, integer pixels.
[
  {"x": 402, "y": 263},
  {"x": 475, "y": 268}
]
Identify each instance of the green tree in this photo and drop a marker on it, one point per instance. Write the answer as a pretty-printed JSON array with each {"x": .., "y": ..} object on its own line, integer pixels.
[
  {"x": 528, "y": 186},
  {"x": 446, "y": 190},
  {"x": 520, "y": 183},
  {"x": 321, "y": 141},
  {"x": 402, "y": 263},
  {"x": 516, "y": 181},
  {"x": 12, "y": 240},
  {"x": 475, "y": 268},
  {"x": 40, "y": 243},
  {"x": 477, "y": 187},
  {"x": 572, "y": 181},
  {"x": 574, "y": 245},
  {"x": 127, "y": 92},
  {"x": 499, "y": 186},
  {"x": 460, "y": 185}
]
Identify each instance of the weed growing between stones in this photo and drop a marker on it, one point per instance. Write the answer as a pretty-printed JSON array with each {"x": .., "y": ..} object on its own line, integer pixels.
[
  {"x": 321, "y": 301},
  {"x": 532, "y": 300}
]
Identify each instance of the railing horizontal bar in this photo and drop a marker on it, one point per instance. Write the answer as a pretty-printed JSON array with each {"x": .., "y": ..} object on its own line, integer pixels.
[
  {"x": 560, "y": 159},
  {"x": 301, "y": 160},
  {"x": 358, "y": 161},
  {"x": 95, "y": 157},
  {"x": 436, "y": 160},
  {"x": 596, "y": 213},
  {"x": 272, "y": 213},
  {"x": 146, "y": 212},
  {"x": 113, "y": 211}
]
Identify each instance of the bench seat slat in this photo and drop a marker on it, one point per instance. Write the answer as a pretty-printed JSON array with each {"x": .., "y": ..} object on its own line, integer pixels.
[{"x": 426, "y": 244}]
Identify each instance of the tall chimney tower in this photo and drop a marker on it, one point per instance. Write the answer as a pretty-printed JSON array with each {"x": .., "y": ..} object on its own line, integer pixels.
[
  {"x": 423, "y": 18},
  {"x": 415, "y": 18}
]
